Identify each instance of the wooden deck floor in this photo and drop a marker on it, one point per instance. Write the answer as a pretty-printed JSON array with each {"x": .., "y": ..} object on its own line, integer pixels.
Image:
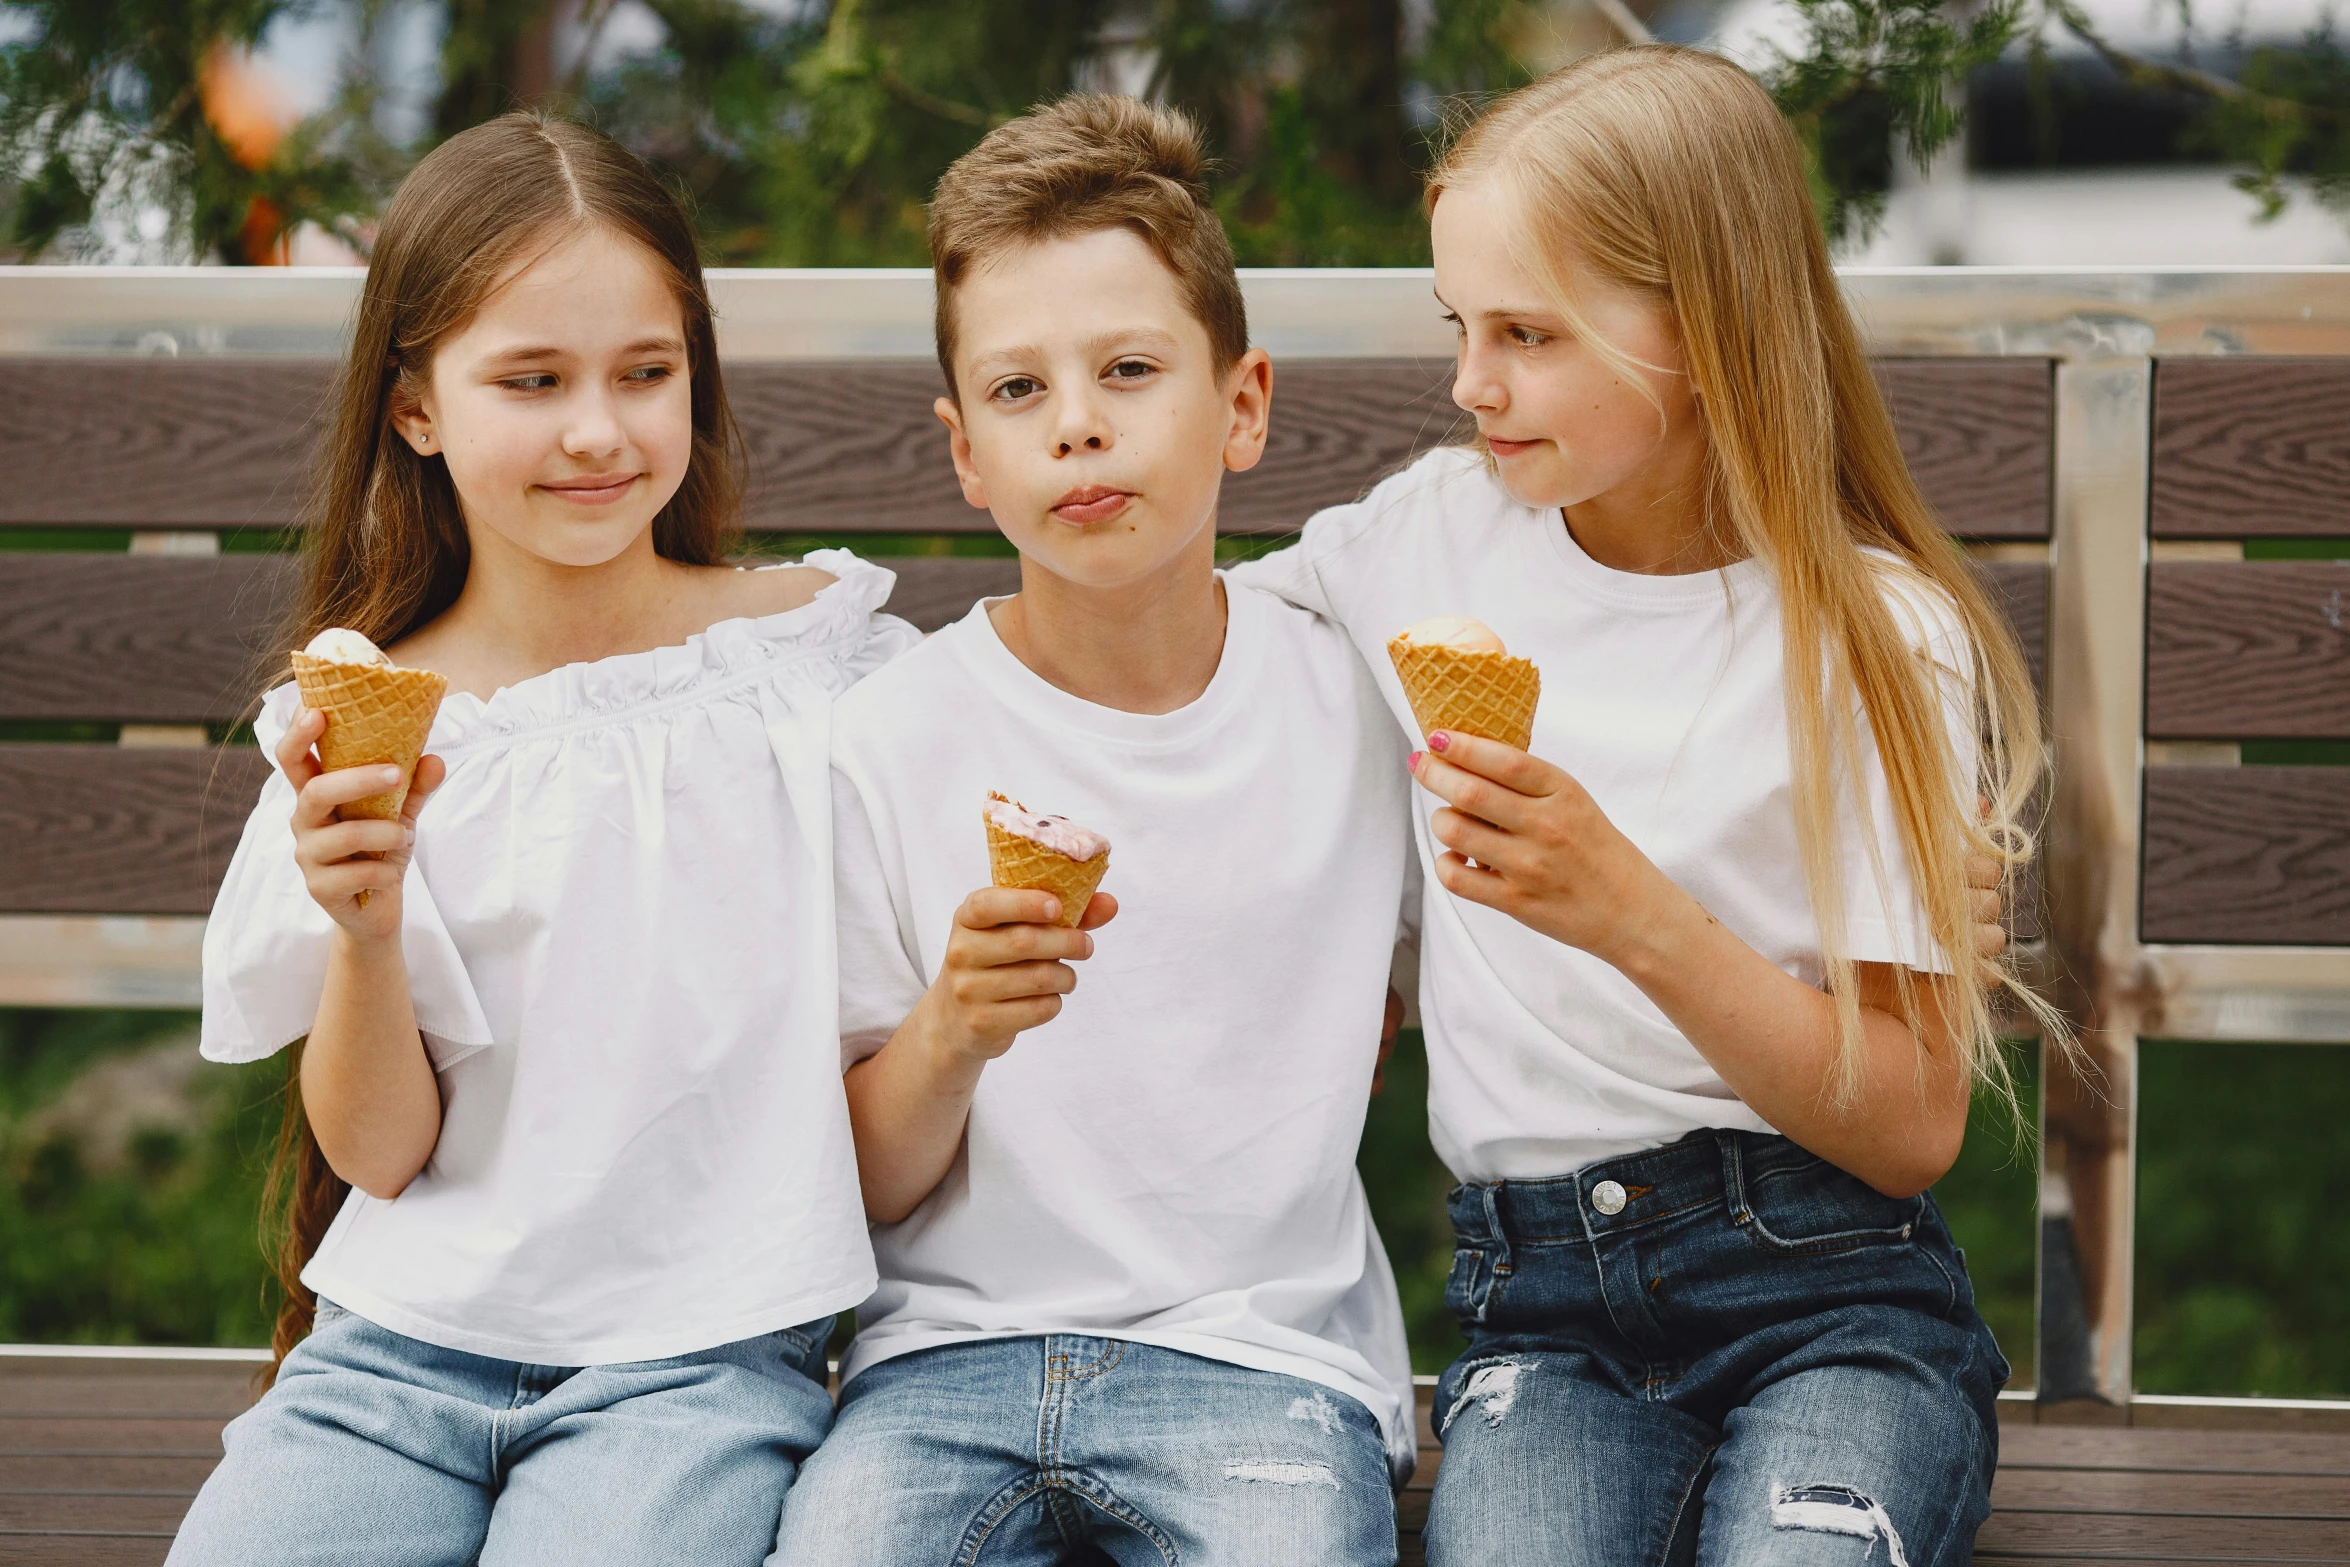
[{"x": 99, "y": 1457}]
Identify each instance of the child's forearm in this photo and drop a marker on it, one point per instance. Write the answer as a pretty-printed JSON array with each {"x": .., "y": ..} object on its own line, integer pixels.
[
  {"x": 908, "y": 1105},
  {"x": 368, "y": 1088},
  {"x": 1775, "y": 1041}
]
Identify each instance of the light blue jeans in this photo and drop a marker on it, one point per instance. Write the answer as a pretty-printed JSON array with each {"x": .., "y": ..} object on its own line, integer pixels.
[
  {"x": 1019, "y": 1452},
  {"x": 377, "y": 1450}
]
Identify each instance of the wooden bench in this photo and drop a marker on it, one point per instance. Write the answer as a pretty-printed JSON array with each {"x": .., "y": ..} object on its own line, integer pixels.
[
  {"x": 100, "y": 1455},
  {"x": 2084, "y": 437}
]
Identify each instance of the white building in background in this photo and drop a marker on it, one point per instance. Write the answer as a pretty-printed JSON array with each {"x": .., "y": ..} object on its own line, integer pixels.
[{"x": 2106, "y": 214}]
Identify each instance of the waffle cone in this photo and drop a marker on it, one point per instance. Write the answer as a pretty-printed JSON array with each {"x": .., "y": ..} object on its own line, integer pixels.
[
  {"x": 375, "y": 713},
  {"x": 1487, "y": 694},
  {"x": 1031, "y": 867}
]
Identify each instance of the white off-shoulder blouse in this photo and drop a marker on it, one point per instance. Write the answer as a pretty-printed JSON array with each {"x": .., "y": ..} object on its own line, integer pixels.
[{"x": 620, "y": 936}]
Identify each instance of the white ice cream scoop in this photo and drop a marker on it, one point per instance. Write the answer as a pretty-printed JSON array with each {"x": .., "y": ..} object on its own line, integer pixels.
[
  {"x": 338, "y": 646},
  {"x": 1460, "y": 632}
]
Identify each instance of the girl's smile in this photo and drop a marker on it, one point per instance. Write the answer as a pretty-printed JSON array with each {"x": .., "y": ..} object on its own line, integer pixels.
[{"x": 596, "y": 489}]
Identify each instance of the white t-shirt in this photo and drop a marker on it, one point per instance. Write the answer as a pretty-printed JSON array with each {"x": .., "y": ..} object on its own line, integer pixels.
[
  {"x": 619, "y": 934},
  {"x": 1171, "y": 1160},
  {"x": 1663, "y": 697}
]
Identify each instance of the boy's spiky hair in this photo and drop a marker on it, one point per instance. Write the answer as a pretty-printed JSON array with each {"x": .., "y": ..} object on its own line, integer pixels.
[{"x": 1083, "y": 163}]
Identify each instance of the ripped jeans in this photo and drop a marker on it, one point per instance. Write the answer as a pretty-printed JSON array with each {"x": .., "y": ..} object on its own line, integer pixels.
[
  {"x": 1724, "y": 1351},
  {"x": 1025, "y": 1452}
]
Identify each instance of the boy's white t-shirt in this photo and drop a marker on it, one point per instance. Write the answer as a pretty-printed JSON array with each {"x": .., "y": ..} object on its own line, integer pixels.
[
  {"x": 1663, "y": 697},
  {"x": 1171, "y": 1160}
]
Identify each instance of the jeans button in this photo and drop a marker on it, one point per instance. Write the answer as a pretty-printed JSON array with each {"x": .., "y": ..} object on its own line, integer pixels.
[{"x": 1608, "y": 1197}]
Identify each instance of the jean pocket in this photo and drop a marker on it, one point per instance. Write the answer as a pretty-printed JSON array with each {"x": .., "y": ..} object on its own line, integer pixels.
[
  {"x": 1814, "y": 1209},
  {"x": 1470, "y": 1281}
]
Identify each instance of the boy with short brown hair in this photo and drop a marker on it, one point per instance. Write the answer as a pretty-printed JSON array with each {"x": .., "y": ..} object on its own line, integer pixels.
[{"x": 1130, "y": 1289}]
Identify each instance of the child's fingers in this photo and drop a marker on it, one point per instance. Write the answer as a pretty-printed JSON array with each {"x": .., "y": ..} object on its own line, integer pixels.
[
  {"x": 293, "y": 748},
  {"x": 347, "y": 879},
  {"x": 1099, "y": 911},
  {"x": 339, "y": 841},
  {"x": 1984, "y": 871},
  {"x": 1473, "y": 793},
  {"x": 1985, "y": 907},
  {"x": 1477, "y": 883},
  {"x": 990, "y": 907},
  {"x": 1480, "y": 841},
  {"x": 1990, "y": 942},
  {"x": 980, "y": 989},
  {"x": 1506, "y": 765},
  {"x": 323, "y": 794},
  {"x": 1000, "y": 945},
  {"x": 430, "y": 773}
]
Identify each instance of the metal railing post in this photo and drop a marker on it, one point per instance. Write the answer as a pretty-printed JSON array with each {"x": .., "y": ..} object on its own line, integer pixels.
[{"x": 2104, "y": 404}]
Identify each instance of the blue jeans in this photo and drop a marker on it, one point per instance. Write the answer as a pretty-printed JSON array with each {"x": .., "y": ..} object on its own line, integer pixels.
[
  {"x": 1011, "y": 1452},
  {"x": 376, "y": 1450},
  {"x": 1755, "y": 1361}
]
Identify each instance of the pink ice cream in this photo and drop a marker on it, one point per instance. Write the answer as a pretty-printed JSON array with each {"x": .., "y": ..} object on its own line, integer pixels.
[{"x": 1057, "y": 833}]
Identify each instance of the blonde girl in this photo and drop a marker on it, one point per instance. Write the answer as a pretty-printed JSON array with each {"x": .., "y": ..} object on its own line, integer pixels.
[
  {"x": 572, "y": 1195},
  {"x": 1703, "y": 1002}
]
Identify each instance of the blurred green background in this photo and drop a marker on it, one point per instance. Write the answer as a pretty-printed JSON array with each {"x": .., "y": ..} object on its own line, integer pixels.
[{"x": 133, "y": 1175}]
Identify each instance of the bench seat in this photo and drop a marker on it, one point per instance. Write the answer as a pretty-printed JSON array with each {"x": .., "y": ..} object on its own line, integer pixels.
[{"x": 99, "y": 1456}]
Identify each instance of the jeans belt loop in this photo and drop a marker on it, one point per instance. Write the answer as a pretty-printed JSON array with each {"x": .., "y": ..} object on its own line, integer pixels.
[
  {"x": 1491, "y": 1193},
  {"x": 1733, "y": 1176}
]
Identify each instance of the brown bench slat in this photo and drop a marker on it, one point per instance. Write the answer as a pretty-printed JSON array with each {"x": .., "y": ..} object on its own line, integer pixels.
[
  {"x": 1980, "y": 438},
  {"x": 853, "y": 446},
  {"x": 159, "y": 443},
  {"x": 52, "y": 1550},
  {"x": 99, "y": 829},
  {"x": 2210, "y": 1539},
  {"x": 2247, "y": 854},
  {"x": 2247, "y": 447},
  {"x": 2019, "y": 590},
  {"x": 62, "y": 1510},
  {"x": 2244, "y": 650},
  {"x": 49, "y": 1472},
  {"x": 2122, "y": 1491},
  {"x": 167, "y": 639},
  {"x": 136, "y": 638}
]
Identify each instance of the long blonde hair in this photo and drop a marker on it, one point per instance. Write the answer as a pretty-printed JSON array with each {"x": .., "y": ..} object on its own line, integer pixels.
[{"x": 1669, "y": 171}]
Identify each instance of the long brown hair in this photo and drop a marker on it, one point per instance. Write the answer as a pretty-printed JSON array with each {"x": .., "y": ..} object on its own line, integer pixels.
[
  {"x": 1668, "y": 171},
  {"x": 385, "y": 542}
]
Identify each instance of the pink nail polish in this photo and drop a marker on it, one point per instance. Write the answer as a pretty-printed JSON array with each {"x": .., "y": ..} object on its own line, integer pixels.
[
  {"x": 1439, "y": 741},
  {"x": 1412, "y": 762}
]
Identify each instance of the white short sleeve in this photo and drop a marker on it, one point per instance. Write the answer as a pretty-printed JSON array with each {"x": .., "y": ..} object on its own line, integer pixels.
[{"x": 265, "y": 946}]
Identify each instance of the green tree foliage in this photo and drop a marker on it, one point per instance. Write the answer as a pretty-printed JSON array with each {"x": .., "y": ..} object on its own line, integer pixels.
[
  {"x": 812, "y": 138},
  {"x": 106, "y": 95}
]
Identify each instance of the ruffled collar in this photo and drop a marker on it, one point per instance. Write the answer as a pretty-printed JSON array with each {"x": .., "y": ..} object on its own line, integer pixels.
[{"x": 834, "y": 622}]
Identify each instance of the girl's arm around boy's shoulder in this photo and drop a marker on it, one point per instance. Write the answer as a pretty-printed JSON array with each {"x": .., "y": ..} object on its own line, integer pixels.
[{"x": 1344, "y": 549}]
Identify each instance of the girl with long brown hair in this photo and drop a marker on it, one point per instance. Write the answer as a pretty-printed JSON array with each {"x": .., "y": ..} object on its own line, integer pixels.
[
  {"x": 1703, "y": 998},
  {"x": 568, "y": 1187}
]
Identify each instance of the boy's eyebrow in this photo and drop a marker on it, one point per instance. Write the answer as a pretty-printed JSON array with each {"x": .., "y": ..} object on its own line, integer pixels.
[{"x": 1099, "y": 343}]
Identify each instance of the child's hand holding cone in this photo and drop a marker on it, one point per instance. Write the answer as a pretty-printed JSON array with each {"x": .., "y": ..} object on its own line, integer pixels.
[{"x": 354, "y": 755}]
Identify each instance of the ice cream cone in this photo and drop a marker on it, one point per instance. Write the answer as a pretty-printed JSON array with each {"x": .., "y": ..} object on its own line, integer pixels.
[
  {"x": 375, "y": 713},
  {"x": 1030, "y": 866},
  {"x": 1470, "y": 693}
]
